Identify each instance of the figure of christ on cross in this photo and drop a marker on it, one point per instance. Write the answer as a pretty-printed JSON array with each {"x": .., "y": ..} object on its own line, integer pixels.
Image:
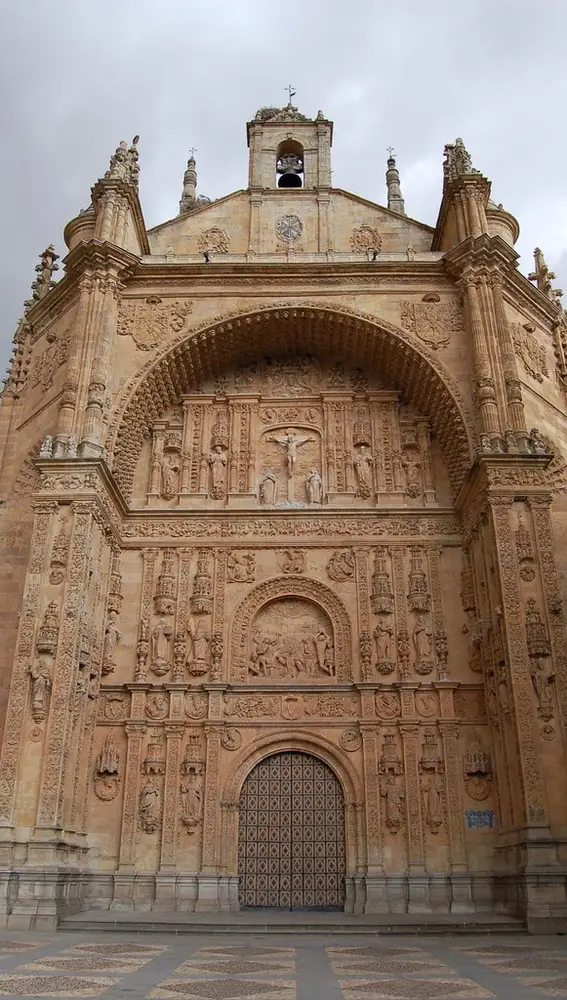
[{"x": 291, "y": 442}]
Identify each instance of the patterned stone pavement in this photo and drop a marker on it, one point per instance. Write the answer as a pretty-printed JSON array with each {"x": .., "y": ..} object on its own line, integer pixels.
[{"x": 271, "y": 967}]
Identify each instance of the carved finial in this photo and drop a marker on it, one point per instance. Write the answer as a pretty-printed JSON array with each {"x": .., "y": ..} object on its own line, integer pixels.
[
  {"x": 189, "y": 193},
  {"x": 124, "y": 163},
  {"x": 44, "y": 281},
  {"x": 543, "y": 278},
  {"x": 457, "y": 161},
  {"x": 395, "y": 199}
]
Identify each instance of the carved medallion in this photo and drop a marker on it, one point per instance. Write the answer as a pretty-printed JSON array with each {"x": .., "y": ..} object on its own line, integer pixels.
[
  {"x": 387, "y": 704},
  {"x": 351, "y": 740},
  {"x": 231, "y": 739},
  {"x": 214, "y": 239},
  {"x": 365, "y": 238},
  {"x": 289, "y": 227},
  {"x": 340, "y": 566}
]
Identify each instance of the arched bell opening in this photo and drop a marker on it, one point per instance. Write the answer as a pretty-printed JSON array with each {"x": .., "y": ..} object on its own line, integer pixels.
[{"x": 290, "y": 164}]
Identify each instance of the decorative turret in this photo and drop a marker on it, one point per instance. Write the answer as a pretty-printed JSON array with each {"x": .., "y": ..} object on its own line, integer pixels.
[
  {"x": 395, "y": 199},
  {"x": 124, "y": 164},
  {"x": 466, "y": 193},
  {"x": 189, "y": 193}
]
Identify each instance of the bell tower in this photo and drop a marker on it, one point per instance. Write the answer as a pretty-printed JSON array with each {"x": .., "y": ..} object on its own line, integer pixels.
[{"x": 289, "y": 151}]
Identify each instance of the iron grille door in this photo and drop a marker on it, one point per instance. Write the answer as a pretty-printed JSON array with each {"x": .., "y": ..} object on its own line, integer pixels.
[{"x": 291, "y": 850}]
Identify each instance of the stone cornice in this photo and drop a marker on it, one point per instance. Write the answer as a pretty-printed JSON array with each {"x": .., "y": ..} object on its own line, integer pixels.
[{"x": 483, "y": 253}]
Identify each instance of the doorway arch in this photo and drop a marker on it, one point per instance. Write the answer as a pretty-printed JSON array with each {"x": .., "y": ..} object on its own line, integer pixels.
[{"x": 291, "y": 843}]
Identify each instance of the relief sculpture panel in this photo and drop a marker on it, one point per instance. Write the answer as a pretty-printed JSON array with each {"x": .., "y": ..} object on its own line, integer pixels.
[{"x": 292, "y": 638}]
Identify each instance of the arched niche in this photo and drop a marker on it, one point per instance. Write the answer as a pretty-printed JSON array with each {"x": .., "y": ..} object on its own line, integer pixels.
[{"x": 328, "y": 615}]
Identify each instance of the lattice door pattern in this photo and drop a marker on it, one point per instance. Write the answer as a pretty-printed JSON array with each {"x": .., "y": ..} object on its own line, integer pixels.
[{"x": 291, "y": 850}]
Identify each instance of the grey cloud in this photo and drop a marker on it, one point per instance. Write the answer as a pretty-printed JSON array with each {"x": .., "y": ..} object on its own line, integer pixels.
[{"x": 77, "y": 78}]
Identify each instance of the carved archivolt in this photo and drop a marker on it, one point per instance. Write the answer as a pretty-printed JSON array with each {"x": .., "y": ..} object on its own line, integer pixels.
[
  {"x": 290, "y": 586},
  {"x": 289, "y": 329}
]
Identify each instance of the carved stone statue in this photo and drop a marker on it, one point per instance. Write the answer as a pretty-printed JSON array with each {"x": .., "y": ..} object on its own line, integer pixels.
[
  {"x": 537, "y": 444},
  {"x": 169, "y": 476},
  {"x": 433, "y": 803},
  {"x": 383, "y": 634},
  {"x": 150, "y": 800},
  {"x": 391, "y": 789},
  {"x": 40, "y": 689},
  {"x": 314, "y": 487},
  {"x": 161, "y": 647},
  {"x": 542, "y": 677},
  {"x": 191, "y": 800},
  {"x": 46, "y": 449},
  {"x": 217, "y": 465},
  {"x": 268, "y": 488},
  {"x": 291, "y": 442},
  {"x": 201, "y": 639},
  {"x": 262, "y": 654},
  {"x": 112, "y": 637},
  {"x": 422, "y": 639},
  {"x": 411, "y": 464},
  {"x": 363, "y": 462}
]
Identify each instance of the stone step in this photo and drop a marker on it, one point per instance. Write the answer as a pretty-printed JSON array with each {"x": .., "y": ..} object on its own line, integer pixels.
[{"x": 148, "y": 922}]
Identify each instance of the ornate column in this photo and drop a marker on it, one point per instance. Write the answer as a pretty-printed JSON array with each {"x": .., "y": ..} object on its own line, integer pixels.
[
  {"x": 165, "y": 878},
  {"x": 484, "y": 376},
  {"x": 516, "y": 415},
  {"x": 67, "y": 417},
  {"x": 103, "y": 330}
]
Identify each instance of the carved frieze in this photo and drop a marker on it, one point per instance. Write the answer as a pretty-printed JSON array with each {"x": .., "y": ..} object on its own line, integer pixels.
[{"x": 150, "y": 320}]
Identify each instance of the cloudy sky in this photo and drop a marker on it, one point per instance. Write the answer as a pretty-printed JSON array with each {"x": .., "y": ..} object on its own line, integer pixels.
[{"x": 77, "y": 77}]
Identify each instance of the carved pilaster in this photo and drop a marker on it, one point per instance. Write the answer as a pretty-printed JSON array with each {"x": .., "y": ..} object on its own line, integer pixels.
[
  {"x": 449, "y": 735},
  {"x": 44, "y": 514},
  {"x": 50, "y": 804},
  {"x": 149, "y": 557},
  {"x": 416, "y": 859},
  {"x": 373, "y": 834},
  {"x": 210, "y": 855},
  {"x": 217, "y": 643},
  {"x": 439, "y": 631},
  {"x": 168, "y": 855},
  {"x": 402, "y": 634},
  {"x": 135, "y": 735},
  {"x": 363, "y": 601}
]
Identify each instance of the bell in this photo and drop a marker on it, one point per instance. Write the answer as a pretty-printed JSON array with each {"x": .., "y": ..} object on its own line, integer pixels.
[{"x": 289, "y": 180}]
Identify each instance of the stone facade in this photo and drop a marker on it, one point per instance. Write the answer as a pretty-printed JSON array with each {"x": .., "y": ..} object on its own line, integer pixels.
[{"x": 274, "y": 497}]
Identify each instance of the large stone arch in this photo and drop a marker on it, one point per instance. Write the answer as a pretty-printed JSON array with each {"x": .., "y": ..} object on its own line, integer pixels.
[
  {"x": 290, "y": 586},
  {"x": 276, "y": 742},
  {"x": 290, "y": 328}
]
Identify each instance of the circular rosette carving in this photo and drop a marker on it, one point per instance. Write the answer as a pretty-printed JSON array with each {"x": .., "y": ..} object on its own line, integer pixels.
[
  {"x": 231, "y": 739},
  {"x": 289, "y": 227},
  {"x": 351, "y": 740}
]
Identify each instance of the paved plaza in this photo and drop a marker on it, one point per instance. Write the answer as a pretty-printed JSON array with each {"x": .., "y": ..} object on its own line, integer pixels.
[{"x": 279, "y": 967}]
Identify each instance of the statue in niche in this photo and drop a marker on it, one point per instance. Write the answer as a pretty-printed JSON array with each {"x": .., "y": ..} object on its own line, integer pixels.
[
  {"x": 112, "y": 637},
  {"x": 201, "y": 639},
  {"x": 217, "y": 464},
  {"x": 150, "y": 797},
  {"x": 291, "y": 442},
  {"x": 268, "y": 488},
  {"x": 363, "y": 463},
  {"x": 411, "y": 464},
  {"x": 314, "y": 487},
  {"x": 169, "y": 475},
  {"x": 433, "y": 803},
  {"x": 391, "y": 789},
  {"x": 542, "y": 677},
  {"x": 384, "y": 634},
  {"x": 161, "y": 647},
  {"x": 191, "y": 800},
  {"x": 422, "y": 639},
  {"x": 40, "y": 689}
]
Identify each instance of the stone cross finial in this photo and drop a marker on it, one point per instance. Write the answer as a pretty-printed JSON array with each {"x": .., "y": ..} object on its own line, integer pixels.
[
  {"x": 543, "y": 278},
  {"x": 291, "y": 92}
]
